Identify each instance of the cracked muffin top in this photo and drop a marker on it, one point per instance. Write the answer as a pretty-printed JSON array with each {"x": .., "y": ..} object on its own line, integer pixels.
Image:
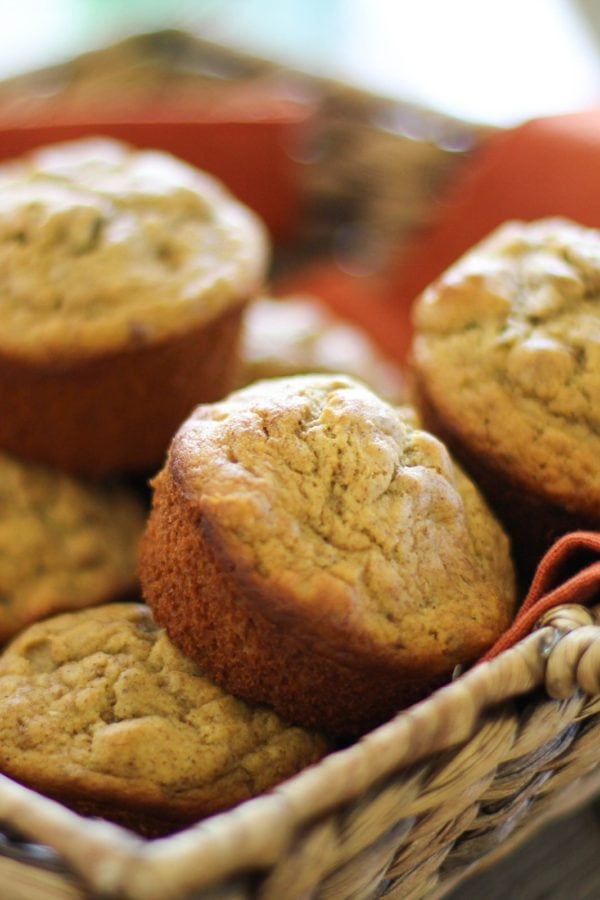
[
  {"x": 507, "y": 350},
  {"x": 344, "y": 520},
  {"x": 99, "y": 704},
  {"x": 64, "y": 543},
  {"x": 103, "y": 246}
]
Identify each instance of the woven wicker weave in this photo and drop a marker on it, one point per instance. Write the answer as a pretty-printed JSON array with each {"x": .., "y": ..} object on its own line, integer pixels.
[
  {"x": 448, "y": 785},
  {"x": 406, "y": 812}
]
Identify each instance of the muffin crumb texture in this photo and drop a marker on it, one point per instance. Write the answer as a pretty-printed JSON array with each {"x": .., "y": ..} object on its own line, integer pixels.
[
  {"x": 507, "y": 353},
  {"x": 98, "y": 706},
  {"x": 102, "y": 247},
  {"x": 64, "y": 543}
]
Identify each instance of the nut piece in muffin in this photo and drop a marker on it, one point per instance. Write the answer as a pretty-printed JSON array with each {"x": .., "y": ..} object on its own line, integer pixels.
[
  {"x": 100, "y": 711},
  {"x": 64, "y": 543},
  {"x": 507, "y": 369},
  {"x": 123, "y": 277},
  {"x": 319, "y": 553},
  {"x": 297, "y": 335}
]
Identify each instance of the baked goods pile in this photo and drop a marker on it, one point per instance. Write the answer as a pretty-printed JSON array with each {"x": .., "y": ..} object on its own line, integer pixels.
[
  {"x": 314, "y": 559},
  {"x": 124, "y": 279}
]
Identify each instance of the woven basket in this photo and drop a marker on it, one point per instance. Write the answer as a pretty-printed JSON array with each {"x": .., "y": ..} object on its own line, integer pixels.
[
  {"x": 406, "y": 812},
  {"x": 447, "y": 786}
]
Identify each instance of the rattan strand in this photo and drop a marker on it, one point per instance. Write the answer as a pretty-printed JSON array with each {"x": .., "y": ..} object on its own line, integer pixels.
[{"x": 408, "y": 806}]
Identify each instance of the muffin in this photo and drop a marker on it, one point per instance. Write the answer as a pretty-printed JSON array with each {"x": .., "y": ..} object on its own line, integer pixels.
[
  {"x": 506, "y": 360},
  {"x": 123, "y": 276},
  {"x": 100, "y": 711},
  {"x": 297, "y": 335},
  {"x": 64, "y": 543},
  {"x": 317, "y": 552}
]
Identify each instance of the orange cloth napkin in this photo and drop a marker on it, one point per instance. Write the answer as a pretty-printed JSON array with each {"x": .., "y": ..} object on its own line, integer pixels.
[
  {"x": 546, "y": 167},
  {"x": 568, "y": 573}
]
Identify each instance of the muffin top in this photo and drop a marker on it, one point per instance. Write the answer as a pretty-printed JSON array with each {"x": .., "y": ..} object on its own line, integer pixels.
[
  {"x": 344, "y": 520},
  {"x": 508, "y": 351},
  {"x": 99, "y": 703},
  {"x": 64, "y": 543},
  {"x": 297, "y": 335},
  {"x": 103, "y": 246}
]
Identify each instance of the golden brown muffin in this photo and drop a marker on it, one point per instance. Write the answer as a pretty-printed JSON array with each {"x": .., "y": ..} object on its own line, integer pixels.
[
  {"x": 507, "y": 366},
  {"x": 123, "y": 276},
  {"x": 100, "y": 711},
  {"x": 298, "y": 335},
  {"x": 64, "y": 543},
  {"x": 321, "y": 554}
]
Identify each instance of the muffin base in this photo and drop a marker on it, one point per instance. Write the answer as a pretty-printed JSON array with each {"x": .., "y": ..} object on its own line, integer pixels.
[
  {"x": 532, "y": 522},
  {"x": 210, "y": 617},
  {"x": 117, "y": 411}
]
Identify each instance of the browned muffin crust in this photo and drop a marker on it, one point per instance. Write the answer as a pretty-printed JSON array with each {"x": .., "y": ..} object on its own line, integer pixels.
[
  {"x": 336, "y": 630},
  {"x": 210, "y": 616},
  {"x": 99, "y": 710},
  {"x": 116, "y": 412}
]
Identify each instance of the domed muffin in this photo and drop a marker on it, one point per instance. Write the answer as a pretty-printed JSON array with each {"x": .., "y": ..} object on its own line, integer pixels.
[
  {"x": 507, "y": 368},
  {"x": 64, "y": 543},
  {"x": 319, "y": 553},
  {"x": 123, "y": 276},
  {"x": 298, "y": 335},
  {"x": 101, "y": 712}
]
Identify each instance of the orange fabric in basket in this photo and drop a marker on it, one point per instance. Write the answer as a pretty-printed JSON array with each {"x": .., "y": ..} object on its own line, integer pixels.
[
  {"x": 545, "y": 167},
  {"x": 549, "y": 587}
]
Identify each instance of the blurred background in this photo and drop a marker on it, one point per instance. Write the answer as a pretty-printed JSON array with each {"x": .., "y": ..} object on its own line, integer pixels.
[
  {"x": 488, "y": 63},
  {"x": 355, "y": 119}
]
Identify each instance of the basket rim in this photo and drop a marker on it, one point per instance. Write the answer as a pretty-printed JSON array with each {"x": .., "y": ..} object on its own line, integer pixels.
[{"x": 254, "y": 835}]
